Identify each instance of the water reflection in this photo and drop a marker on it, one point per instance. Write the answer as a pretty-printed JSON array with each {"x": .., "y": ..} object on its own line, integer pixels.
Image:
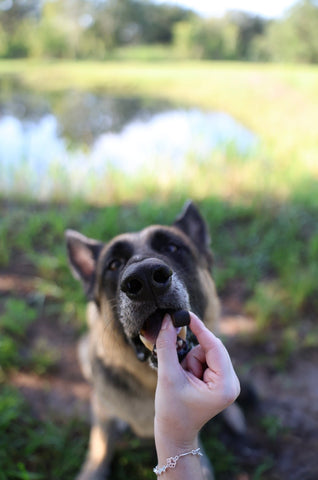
[
  {"x": 81, "y": 136},
  {"x": 171, "y": 135},
  {"x": 82, "y": 116}
]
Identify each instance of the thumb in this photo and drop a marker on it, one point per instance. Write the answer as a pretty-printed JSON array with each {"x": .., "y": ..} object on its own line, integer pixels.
[{"x": 168, "y": 362}]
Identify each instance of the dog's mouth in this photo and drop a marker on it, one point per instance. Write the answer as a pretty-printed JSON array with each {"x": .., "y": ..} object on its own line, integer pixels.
[{"x": 150, "y": 331}]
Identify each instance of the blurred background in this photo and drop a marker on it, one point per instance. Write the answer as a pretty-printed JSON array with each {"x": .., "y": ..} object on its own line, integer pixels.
[{"x": 112, "y": 114}]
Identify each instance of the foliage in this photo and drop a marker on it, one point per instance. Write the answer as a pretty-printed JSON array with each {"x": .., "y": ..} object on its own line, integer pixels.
[
  {"x": 213, "y": 38},
  {"x": 293, "y": 38},
  {"x": 17, "y": 317},
  {"x": 82, "y": 28},
  {"x": 32, "y": 449},
  {"x": 228, "y": 38},
  {"x": 14, "y": 323},
  {"x": 135, "y": 21},
  {"x": 90, "y": 29},
  {"x": 249, "y": 28}
]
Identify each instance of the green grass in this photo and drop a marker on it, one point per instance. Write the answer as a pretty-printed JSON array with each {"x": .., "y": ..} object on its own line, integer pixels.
[
  {"x": 266, "y": 248},
  {"x": 31, "y": 449},
  {"x": 277, "y": 102},
  {"x": 262, "y": 212},
  {"x": 144, "y": 53}
]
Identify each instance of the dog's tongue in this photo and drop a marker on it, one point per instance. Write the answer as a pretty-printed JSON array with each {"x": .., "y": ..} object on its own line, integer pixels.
[{"x": 151, "y": 327}]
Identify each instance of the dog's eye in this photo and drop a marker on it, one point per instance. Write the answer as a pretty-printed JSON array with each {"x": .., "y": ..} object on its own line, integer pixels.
[
  {"x": 115, "y": 264},
  {"x": 170, "y": 248}
]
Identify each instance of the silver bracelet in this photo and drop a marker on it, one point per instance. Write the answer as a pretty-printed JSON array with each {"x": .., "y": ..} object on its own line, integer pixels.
[{"x": 172, "y": 461}]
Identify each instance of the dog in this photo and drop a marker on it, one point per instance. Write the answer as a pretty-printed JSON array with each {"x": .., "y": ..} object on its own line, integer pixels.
[{"x": 130, "y": 283}]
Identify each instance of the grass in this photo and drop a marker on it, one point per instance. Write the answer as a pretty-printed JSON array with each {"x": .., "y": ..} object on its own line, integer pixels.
[
  {"x": 262, "y": 213},
  {"x": 31, "y": 449},
  {"x": 144, "y": 53},
  {"x": 266, "y": 248},
  {"x": 277, "y": 102}
]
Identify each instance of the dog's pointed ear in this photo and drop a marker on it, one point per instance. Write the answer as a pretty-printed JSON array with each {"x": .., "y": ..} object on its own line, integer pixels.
[
  {"x": 83, "y": 253},
  {"x": 194, "y": 226}
]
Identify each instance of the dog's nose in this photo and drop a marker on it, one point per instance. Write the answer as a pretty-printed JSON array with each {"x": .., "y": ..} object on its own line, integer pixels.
[{"x": 146, "y": 278}]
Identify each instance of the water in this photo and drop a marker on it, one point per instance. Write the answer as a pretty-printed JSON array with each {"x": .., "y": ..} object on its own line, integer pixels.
[{"x": 78, "y": 137}]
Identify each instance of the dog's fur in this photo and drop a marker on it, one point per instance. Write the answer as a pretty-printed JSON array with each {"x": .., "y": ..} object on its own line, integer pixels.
[{"x": 130, "y": 282}]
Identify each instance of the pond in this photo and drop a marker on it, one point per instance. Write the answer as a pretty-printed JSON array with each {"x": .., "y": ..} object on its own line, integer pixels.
[{"x": 80, "y": 137}]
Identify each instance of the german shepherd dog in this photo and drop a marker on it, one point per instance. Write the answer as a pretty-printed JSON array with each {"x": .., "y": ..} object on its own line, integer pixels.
[{"x": 130, "y": 283}]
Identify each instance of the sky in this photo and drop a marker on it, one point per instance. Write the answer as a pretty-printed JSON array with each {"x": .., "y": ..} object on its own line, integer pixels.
[{"x": 266, "y": 8}]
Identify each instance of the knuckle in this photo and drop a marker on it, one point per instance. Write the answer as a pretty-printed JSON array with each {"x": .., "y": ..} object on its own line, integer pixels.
[{"x": 230, "y": 391}]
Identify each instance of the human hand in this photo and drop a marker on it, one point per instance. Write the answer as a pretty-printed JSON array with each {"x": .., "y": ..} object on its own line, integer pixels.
[{"x": 191, "y": 393}]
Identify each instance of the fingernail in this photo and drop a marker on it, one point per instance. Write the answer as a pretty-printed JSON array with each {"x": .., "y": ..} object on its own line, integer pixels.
[{"x": 166, "y": 321}]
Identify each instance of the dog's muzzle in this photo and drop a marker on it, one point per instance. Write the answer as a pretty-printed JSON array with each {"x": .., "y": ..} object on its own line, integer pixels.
[{"x": 146, "y": 283}]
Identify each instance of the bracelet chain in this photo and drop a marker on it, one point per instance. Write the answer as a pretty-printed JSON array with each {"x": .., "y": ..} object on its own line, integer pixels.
[{"x": 172, "y": 461}]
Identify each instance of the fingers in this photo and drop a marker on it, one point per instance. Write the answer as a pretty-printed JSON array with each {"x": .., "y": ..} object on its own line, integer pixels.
[
  {"x": 209, "y": 361},
  {"x": 205, "y": 337},
  {"x": 216, "y": 355},
  {"x": 219, "y": 373},
  {"x": 194, "y": 362},
  {"x": 168, "y": 363}
]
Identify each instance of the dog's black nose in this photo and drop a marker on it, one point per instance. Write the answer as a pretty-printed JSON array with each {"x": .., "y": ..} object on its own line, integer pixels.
[{"x": 144, "y": 279}]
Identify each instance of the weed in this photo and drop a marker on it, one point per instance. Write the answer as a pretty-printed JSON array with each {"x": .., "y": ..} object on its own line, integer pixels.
[
  {"x": 310, "y": 339},
  {"x": 263, "y": 469},
  {"x": 43, "y": 357},
  {"x": 8, "y": 354},
  {"x": 17, "y": 318},
  {"x": 223, "y": 460},
  {"x": 14, "y": 324},
  {"x": 270, "y": 303},
  {"x": 34, "y": 449},
  {"x": 272, "y": 426},
  {"x": 134, "y": 460}
]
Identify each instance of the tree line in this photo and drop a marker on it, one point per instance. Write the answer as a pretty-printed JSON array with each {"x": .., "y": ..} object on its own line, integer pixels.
[{"x": 83, "y": 29}]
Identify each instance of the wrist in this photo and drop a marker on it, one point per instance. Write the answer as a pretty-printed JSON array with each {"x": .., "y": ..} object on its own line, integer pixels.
[
  {"x": 172, "y": 463},
  {"x": 184, "y": 462},
  {"x": 182, "y": 436},
  {"x": 169, "y": 446}
]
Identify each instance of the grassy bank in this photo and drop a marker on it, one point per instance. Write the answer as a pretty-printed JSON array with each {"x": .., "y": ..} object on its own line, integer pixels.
[{"x": 279, "y": 103}]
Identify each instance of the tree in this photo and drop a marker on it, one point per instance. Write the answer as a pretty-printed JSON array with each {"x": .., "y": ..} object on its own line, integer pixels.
[
  {"x": 249, "y": 27},
  {"x": 213, "y": 38},
  {"x": 16, "y": 11},
  {"x": 121, "y": 22},
  {"x": 16, "y": 21},
  {"x": 294, "y": 38}
]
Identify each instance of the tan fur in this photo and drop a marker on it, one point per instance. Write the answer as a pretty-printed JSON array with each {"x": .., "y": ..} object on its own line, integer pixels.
[
  {"x": 113, "y": 349},
  {"x": 98, "y": 445},
  {"x": 212, "y": 313}
]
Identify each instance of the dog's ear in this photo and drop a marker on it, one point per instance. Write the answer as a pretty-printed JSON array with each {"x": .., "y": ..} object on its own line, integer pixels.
[
  {"x": 194, "y": 226},
  {"x": 83, "y": 254}
]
